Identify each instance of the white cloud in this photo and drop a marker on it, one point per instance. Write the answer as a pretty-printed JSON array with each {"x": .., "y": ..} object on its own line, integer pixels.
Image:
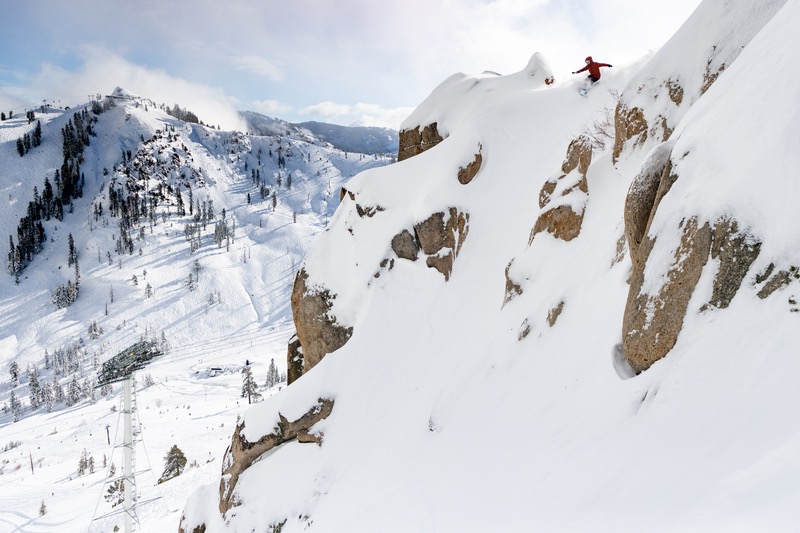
[
  {"x": 327, "y": 109},
  {"x": 360, "y": 114},
  {"x": 102, "y": 70},
  {"x": 270, "y": 107},
  {"x": 258, "y": 66}
]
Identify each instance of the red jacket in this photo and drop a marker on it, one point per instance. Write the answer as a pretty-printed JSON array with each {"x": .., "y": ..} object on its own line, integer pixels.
[{"x": 593, "y": 67}]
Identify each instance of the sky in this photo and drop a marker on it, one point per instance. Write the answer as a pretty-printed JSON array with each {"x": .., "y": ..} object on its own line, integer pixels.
[{"x": 350, "y": 62}]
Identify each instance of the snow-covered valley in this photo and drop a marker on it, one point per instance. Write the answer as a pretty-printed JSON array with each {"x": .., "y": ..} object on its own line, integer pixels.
[{"x": 210, "y": 300}]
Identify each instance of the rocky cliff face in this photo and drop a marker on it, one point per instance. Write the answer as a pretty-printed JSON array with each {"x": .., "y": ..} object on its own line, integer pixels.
[
  {"x": 647, "y": 114},
  {"x": 318, "y": 331},
  {"x": 563, "y": 198}
]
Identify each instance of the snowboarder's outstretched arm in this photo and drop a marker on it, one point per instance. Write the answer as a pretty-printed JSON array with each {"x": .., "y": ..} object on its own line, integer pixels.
[{"x": 581, "y": 70}]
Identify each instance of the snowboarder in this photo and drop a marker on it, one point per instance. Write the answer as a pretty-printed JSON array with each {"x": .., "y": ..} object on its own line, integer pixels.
[{"x": 594, "y": 69}]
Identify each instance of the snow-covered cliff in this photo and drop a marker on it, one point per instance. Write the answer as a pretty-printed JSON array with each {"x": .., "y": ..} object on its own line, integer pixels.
[{"x": 594, "y": 331}]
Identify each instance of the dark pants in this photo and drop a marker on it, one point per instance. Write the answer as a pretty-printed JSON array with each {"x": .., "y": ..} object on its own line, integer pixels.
[{"x": 593, "y": 79}]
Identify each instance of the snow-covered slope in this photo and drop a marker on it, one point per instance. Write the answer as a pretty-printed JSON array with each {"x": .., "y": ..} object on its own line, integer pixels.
[
  {"x": 358, "y": 139},
  {"x": 207, "y": 304},
  {"x": 498, "y": 396}
]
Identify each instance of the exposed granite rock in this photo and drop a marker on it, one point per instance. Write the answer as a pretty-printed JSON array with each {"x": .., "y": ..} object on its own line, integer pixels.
[
  {"x": 416, "y": 141},
  {"x": 628, "y": 123},
  {"x": 554, "y": 313},
  {"x": 736, "y": 251},
  {"x": 547, "y": 191},
  {"x": 466, "y": 174},
  {"x": 675, "y": 91},
  {"x": 318, "y": 331},
  {"x": 368, "y": 211},
  {"x": 294, "y": 360},
  {"x": 405, "y": 246},
  {"x": 579, "y": 155},
  {"x": 562, "y": 221},
  {"x": 652, "y": 322},
  {"x": 646, "y": 190},
  {"x": 441, "y": 239},
  {"x": 710, "y": 76},
  {"x": 241, "y": 454},
  {"x": 780, "y": 280},
  {"x": 524, "y": 330},
  {"x": 432, "y": 234},
  {"x": 197, "y": 529},
  {"x": 513, "y": 289}
]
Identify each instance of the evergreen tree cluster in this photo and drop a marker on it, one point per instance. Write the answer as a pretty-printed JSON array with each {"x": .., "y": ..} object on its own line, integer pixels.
[
  {"x": 30, "y": 140},
  {"x": 85, "y": 463},
  {"x": 223, "y": 232},
  {"x": 182, "y": 114},
  {"x": 69, "y": 182},
  {"x": 42, "y": 393}
]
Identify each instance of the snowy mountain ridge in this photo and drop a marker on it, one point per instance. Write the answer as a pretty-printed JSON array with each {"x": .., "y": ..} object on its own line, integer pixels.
[
  {"x": 518, "y": 327},
  {"x": 183, "y": 235},
  {"x": 358, "y": 139}
]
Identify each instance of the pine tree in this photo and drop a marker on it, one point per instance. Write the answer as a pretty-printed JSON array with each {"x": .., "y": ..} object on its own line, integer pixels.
[
  {"x": 37, "y": 134},
  {"x": 58, "y": 391},
  {"x": 16, "y": 406},
  {"x": 34, "y": 388},
  {"x": 47, "y": 396},
  {"x": 74, "y": 392},
  {"x": 174, "y": 463},
  {"x": 83, "y": 462},
  {"x": 42, "y": 509},
  {"x": 73, "y": 254},
  {"x": 272, "y": 374},
  {"x": 13, "y": 370},
  {"x": 249, "y": 387}
]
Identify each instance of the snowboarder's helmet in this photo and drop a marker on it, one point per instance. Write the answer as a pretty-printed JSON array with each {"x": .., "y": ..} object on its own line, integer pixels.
[{"x": 588, "y": 60}]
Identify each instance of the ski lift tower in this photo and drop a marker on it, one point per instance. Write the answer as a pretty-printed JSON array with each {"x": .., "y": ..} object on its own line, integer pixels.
[{"x": 121, "y": 368}]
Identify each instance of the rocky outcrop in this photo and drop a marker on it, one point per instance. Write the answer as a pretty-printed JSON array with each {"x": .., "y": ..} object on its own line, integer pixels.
[
  {"x": 645, "y": 193},
  {"x": 711, "y": 75},
  {"x": 405, "y": 246},
  {"x": 318, "y": 331},
  {"x": 736, "y": 251},
  {"x": 242, "y": 453},
  {"x": 776, "y": 281},
  {"x": 197, "y": 529},
  {"x": 415, "y": 141},
  {"x": 653, "y": 321},
  {"x": 565, "y": 219},
  {"x": 439, "y": 238},
  {"x": 554, "y": 313},
  {"x": 629, "y": 123},
  {"x": 513, "y": 288},
  {"x": 466, "y": 174},
  {"x": 294, "y": 360}
]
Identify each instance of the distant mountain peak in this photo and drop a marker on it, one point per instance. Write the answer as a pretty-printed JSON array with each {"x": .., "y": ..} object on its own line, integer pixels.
[{"x": 119, "y": 92}]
